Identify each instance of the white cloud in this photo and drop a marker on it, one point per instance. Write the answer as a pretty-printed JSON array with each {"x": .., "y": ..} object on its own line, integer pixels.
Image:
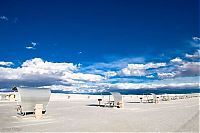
[
  {"x": 31, "y": 46},
  {"x": 150, "y": 76},
  {"x": 139, "y": 69},
  {"x": 154, "y": 65},
  {"x": 80, "y": 88},
  {"x": 37, "y": 72},
  {"x": 68, "y": 76},
  {"x": 130, "y": 71},
  {"x": 154, "y": 86},
  {"x": 183, "y": 69},
  {"x": 175, "y": 83},
  {"x": 82, "y": 77},
  {"x": 61, "y": 87},
  {"x": 166, "y": 75},
  {"x": 118, "y": 64},
  {"x": 34, "y": 44},
  {"x": 110, "y": 74},
  {"x": 189, "y": 69},
  {"x": 4, "y": 18},
  {"x": 178, "y": 83},
  {"x": 195, "y": 42},
  {"x": 177, "y": 60},
  {"x": 42, "y": 67},
  {"x": 3, "y": 63},
  {"x": 193, "y": 56},
  {"x": 195, "y": 38}
]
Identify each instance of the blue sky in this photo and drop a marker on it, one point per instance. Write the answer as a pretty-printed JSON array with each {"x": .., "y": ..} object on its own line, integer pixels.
[{"x": 102, "y": 44}]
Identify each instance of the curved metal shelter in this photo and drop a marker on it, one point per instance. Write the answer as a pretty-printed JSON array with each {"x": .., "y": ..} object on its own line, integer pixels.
[
  {"x": 149, "y": 98},
  {"x": 29, "y": 97},
  {"x": 154, "y": 97},
  {"x": 118, "y": 99}
]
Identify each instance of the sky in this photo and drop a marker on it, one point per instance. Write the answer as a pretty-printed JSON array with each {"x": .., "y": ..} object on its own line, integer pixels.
[{"x": 99, "y": 45}]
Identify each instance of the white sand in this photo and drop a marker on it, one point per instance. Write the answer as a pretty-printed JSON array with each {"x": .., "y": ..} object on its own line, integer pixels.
[{"x": 80, "y": 113}]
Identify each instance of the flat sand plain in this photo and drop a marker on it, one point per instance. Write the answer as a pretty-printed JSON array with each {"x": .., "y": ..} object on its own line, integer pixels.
[{"x": 80, "y": 113}]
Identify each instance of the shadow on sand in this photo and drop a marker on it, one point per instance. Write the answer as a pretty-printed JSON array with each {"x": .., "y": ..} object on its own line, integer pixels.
[
  {"x": 133, "y": 102},
  {"x": 95, "y": 105}
]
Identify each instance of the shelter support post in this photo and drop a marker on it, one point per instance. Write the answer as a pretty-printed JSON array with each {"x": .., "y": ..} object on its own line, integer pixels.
[{"x": 38, "y": 111}]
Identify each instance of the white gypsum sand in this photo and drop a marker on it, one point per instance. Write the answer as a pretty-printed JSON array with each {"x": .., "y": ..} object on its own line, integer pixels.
[{"x": 74, "y": 112}]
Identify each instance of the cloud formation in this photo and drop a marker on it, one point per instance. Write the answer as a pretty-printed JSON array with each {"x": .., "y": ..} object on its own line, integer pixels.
[
  {"x": 139, "y": 69},
  {"x": 37, "y": 72},
  {"x": 177, "y": 60},
  {"x": 3, "y": 63},
  {"x": 175, "y": 83},
  {"x": 117, "y": 64},
  {"x": 195, "y": 55},
  {"x": 31, "y": 46},
  {"x": 110, "y": 74},
  {"x": 154, "y": 85},
  {"x": 195, "y": 42},
  {"x": 166, "y": 75},
  {"x": 150, "y": 76},
  {"x": 196, "y": 38},
  {"x": 83, "y": 77},
  {"x": 4, "y": 18},
  {"x": 127, "y": 73},
  {"x": 189, "y": 69}
]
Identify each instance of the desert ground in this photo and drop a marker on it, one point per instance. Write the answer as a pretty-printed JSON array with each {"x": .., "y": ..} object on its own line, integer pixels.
[{"x": 81, "y": 113}]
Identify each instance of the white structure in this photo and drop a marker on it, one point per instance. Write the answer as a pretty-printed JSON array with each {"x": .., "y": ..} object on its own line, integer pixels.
[
  {"x": 29, "y": 97},
  {"x": 118, "y": 99},
  {"x": 165, "y": 97},
  {"x": 154, "y": 98},
  {"x": 38, "y": 111},
  {"x": 150, "y": 98}
]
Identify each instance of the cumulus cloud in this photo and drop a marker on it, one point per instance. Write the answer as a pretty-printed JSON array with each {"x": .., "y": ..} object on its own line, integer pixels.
[
  {"x": 150, "y": 76},
  {"x": 4, "y": 18},
  {"x": 61, "y": 87},
  {"x": 177, "y": 60},
  {"x": 154, "y": 85},
  {"x": 80, "y": 88},
  {"x": 82, "y": 77},
  {"x": 193, "y": 56},
  {"x": 177, "y": 83},
  {"x": 154, "y": 65},
  {"x": 70, "y": 77},
  {"x": 166, "y": 75},
  {"x": 131, "y": 71},
  {"x": 110, "y": 74},
  {"x": 117, "y": 64},
  {"x": 3, "y": 63},
  {"x": 80, "y": 52},
  {"x": 196, "y": 38},
  {"x": 195, "y": 42},
  {"x": 139, "y": 69},
  {"x": 189, "y": 69},
  {"x": 186, "y": 69},
  {"x": 37, "y": 72},
  {"x": 42, "y": 67},
  {"x": 31, "y": 46}
]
